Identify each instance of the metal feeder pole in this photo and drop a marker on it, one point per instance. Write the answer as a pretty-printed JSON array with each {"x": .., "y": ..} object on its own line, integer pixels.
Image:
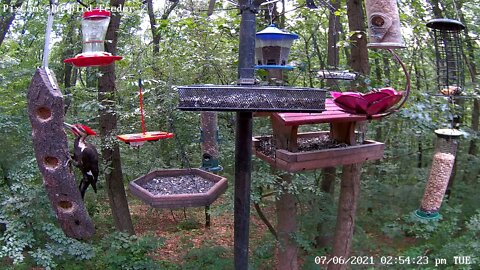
[{"x": 243, "y": 134}]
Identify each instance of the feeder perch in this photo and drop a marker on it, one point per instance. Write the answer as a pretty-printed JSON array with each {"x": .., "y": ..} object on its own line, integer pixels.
[
  {"x": 138, "y": 139},
  {"x": 135, "y": 139},
  {"x": 139, "y": 189},
  {"x": 250, "y": 98},
  {"x": 337, "y": 75},
  {"x": 383, "y": 24},
  {"x": 448, "y": 54},
  {"x": 94, "y": 28},
  {"x": 442, "y": 166},
  {"x": 272, "y": 47}
]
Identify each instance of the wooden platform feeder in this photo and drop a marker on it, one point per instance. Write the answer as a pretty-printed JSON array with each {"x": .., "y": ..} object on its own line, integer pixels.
[
  {"x": 316, "y": 159},
  {"x": 174, "y": 201}
]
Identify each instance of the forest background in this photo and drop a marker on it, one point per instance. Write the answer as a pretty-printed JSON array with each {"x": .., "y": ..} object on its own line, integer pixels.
[{"x": 176, "y": 43}]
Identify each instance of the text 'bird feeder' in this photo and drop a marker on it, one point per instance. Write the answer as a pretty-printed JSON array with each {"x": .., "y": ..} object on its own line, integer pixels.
[
  {"x": 448, "y": 54},
  {"x": 440, "y": 171},
  {"x": 272, "y": 47},
  {"x": 384, "y": 24},
  {"x": 94, "y": 28}
]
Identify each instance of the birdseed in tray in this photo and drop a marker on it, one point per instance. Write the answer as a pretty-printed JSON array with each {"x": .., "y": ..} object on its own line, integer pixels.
[
  {"x": 267, "y": 145},
  {"x": 183, "y": 184}
]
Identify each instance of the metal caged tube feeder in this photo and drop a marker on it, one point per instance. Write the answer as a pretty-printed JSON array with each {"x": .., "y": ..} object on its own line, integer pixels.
[{"x": 448, "y": 54}]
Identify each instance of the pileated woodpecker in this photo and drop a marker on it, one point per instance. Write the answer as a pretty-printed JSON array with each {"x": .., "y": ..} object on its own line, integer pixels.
[{"x": 85, "y": 156}]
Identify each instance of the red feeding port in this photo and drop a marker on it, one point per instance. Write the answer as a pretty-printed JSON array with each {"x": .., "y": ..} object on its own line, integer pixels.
[
  {"x": 93, "y": 60},
  {"x": 143, "y": 137}
]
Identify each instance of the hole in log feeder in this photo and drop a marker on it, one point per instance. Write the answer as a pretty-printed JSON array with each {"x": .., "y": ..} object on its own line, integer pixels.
[
  {"x": 44, "y": 114},
  {"x": 378, "y": 21},
  {"x": 50, "y": 162},
  {"x": 65, "y": 206},
  {"x": 77, "y": 222}
]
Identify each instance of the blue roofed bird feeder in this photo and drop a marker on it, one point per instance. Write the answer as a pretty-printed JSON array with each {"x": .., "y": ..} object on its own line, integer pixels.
[{"x": 272, "y": 46}]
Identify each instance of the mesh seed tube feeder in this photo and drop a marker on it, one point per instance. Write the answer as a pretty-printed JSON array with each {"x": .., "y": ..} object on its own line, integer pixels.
[
  {"x": 448, "y": 54},
  {"x": 94, "y": 28},
  {"x": 440, "y": 171}
]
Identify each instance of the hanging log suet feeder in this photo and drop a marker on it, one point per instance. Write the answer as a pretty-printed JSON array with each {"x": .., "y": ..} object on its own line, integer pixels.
[
  {"x": 94, "y": 28},
  {"x": 448, "y": 55}
]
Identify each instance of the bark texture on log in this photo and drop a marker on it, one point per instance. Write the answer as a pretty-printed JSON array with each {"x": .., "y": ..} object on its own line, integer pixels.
[
  {"x": 209, "y": 124},
  {"x": 108, "y": 125},
  {"x": 286, "y": 205},
  {"x": 287, "y": 225},
  {"x": 347, "y": 207},
  {"x": 45, "y": 110}
]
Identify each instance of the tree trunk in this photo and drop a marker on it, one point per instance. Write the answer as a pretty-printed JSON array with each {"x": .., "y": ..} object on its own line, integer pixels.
[
  {"x": 69, "y": 52},
  {"x": 286, "y": 226},
  {"x": 108, "y": 125},
  {"x": 347, "y": 207},
  {"x": 8, "y": 16},
  {"x": 156, "y": 36},
  {"x": 286, "y": 205},
  {"x": 356, "y": 22},
  {"x": 472, "y": 68},
  {"x": 350, "y": 182},
  {"x": 327, "y": 184}
]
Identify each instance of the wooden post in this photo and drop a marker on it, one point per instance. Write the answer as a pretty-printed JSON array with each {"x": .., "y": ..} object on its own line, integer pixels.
[
  {"x": 347, "y": 207},
  {"x": 287, "y": 253},
  {"x": 45, "y": 110},
  {"x": 347, "y": 202}
]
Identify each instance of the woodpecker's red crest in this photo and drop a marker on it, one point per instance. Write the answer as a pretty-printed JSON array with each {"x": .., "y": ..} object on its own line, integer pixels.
[
  {"x": 80, "y": 130},
  {"x": 85, "y": 129}
]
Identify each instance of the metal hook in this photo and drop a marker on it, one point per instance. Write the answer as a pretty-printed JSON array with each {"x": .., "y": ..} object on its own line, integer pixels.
[{"x": 270, "y": 11}]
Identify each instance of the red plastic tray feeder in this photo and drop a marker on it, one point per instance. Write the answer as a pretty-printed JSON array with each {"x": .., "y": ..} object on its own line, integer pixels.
[
  {"x": 137, "y": 139},
  {"x": 94, "y": 27},
  {"x": 142, "y": 137}
]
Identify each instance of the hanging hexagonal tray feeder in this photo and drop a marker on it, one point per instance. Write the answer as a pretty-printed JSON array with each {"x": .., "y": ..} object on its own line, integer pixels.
[{"x": 178, "y": 188}]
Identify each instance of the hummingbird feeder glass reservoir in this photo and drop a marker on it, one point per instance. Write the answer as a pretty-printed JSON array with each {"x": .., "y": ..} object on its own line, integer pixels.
[
  {"x": 448, "y": 54},
  {"x": 94, "y": 28},
  {"x": 272, "y": 46}
]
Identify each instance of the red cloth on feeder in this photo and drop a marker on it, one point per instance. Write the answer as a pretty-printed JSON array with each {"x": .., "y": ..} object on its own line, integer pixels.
[{"x": 370, "y": 103}]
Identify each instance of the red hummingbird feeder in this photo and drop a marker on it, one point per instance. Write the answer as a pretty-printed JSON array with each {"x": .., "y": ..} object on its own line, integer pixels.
[
  {"x": 94, "y": 28},
  {"x": 137, "y": 139}
]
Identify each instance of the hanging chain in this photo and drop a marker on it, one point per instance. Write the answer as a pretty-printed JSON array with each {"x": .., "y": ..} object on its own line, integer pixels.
[
  {"x": 48, "y": 32},
  {"x": 271, "y": 6}
]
